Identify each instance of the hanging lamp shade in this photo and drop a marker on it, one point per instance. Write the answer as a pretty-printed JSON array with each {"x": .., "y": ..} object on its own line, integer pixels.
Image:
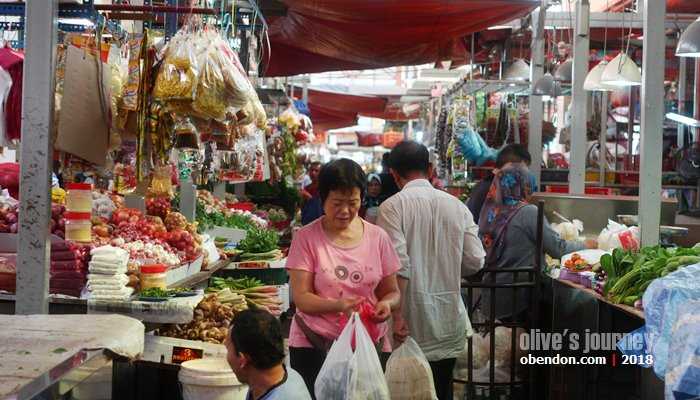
[
  {"x": 689, "y": 43},
  {"x": 547, "y": 86},
  {"x": 622, "y": 71},
  {"x": 593, "y": 79},
  {"x": 518, "y": 71},
  {"x": 565, "y": 71}
]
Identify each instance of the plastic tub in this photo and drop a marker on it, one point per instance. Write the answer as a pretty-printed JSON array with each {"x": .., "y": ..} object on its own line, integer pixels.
[
  {"x": 210, "y": 379},
  {"x": 153, "y": 276},
  {"x": 78, "y": 226},
  {"x": 79, "y": 197}
]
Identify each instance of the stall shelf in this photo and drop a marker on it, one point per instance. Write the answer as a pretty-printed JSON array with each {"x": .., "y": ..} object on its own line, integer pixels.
[
  {"x": 48, "y": 356},
  {"x": 577, "y": 309}
]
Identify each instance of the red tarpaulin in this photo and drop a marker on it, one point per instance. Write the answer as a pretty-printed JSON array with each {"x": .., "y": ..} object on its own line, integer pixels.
[
  {"x": 334, "y": 35},
  {"x": 330, "y": 110}
]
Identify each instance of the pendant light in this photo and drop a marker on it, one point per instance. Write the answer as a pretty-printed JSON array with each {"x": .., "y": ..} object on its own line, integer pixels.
[
  {"x": 565, "y": 71},
  {"x": 622, "y": 71},
  {"x": 593, "y": 79},
  {"x": 518, "y": 71},
  {"x": 547, "y": 86},
  {"x": 689, "y": 43}
]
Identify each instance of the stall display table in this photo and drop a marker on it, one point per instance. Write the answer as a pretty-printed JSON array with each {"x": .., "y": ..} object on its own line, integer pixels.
[{"x": 40, "y": 354}]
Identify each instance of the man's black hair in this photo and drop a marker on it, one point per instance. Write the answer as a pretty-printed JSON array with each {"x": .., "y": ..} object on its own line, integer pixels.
[
  {"x": 513, "y": 153},
  {"x": 258, "y": 334},
  {"x": 409, "y": 156},
  {"x": 342, "y": 174}
]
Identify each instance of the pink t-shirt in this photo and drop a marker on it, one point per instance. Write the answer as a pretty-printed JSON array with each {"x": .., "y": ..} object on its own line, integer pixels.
[{"x": 340, "y": 272}]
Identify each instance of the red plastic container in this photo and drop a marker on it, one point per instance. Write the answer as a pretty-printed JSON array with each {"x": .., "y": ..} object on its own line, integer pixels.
[{"x": 589, "y": 190}]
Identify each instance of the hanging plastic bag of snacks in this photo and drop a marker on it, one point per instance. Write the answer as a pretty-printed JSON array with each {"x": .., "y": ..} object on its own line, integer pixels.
[
  {"x": 237, "y": 86},
  {"x": 177, "y": 77},
  {"x": 161, "y": 182},
  {"x": 186, "y": 135},
  {"x": 210, "y": 100}
]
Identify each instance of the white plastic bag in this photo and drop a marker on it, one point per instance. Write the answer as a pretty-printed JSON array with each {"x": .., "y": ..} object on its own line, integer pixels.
[
  {"x": 352, "y": 375},
  {"x": 617, "y": 236},
  {"x": 408, "y": 373},
  {"x": 569, "y": 230}
]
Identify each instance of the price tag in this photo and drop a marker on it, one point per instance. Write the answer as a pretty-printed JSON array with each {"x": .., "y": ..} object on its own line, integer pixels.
[{"x": 182, "y": 354}]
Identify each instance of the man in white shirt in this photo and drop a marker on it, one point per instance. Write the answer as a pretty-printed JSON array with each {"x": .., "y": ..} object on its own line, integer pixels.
[{"x": 438, "y": 243}]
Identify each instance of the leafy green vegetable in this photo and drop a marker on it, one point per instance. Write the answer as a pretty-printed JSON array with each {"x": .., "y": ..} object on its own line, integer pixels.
[
  {"x": 155, "y": 292},
  {"x": 259, "y": 241},
  {"x": 218, "y": 284},
  {"x": 630, "y": 274},
  {"x": 59, "y": 350}
]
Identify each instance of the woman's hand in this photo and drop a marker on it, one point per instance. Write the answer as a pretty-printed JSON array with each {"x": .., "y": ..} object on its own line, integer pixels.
[
  {"x": 348, "y": 305},
  {"x": 382, "y": 311}
]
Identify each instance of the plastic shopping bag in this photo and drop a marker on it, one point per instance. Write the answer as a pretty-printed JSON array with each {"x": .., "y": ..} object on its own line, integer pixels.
[
  {"x": 352, "y": 375},
  {"x": 408, "y": 373},
  {"x": 617, "y": 236}
]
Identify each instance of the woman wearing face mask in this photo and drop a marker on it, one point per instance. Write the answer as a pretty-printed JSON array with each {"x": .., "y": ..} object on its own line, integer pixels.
[
  {"x": 371, "y": 202},
  {"x": 335, "y": 264},
  {"x": 508, "y": 231}
]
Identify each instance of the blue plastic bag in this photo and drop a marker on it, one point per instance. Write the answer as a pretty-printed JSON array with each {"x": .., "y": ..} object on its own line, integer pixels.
[
  {"x": 473, "y": 146},
  {"x": 672, "y": 315}
]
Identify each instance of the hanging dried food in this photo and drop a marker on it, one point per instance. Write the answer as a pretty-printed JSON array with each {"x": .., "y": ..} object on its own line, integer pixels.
[
  {"x": 186, "y": 135},
  {"x": 210, "y": 99},
  {"x": 177, "y": 76}
]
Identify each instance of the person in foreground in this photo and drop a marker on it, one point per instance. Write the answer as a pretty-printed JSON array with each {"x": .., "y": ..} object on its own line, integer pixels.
[
  {"x": 255, "y": 352},
  {"x": 438, "y": 244},
  {"x": 508, "y": 231},
  {"x": 335, "y": 264}
]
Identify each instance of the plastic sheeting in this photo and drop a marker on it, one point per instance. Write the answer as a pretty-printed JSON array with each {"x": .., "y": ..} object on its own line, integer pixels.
[
  {"x": 672, "y": 314},
  {"x": 334, "y": 35},
  {"x": 331, "y": 110}
]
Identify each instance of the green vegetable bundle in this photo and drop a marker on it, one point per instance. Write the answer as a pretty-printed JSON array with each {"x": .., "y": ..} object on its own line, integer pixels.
[
  {"x": 629, "y": 274},
  {"x": 259, "y": 241},
  {"x": 210, "y": 220},
  {"x": 217, "y": 284}
]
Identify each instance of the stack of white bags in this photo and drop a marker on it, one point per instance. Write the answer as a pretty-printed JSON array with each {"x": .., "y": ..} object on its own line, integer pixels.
[{"x": 107, "y": 279}]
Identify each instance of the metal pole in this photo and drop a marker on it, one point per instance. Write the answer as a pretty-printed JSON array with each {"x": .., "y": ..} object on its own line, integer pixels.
[
  {"x": 471, "y": 59},
  {"x": 35, "y": 161},
  {"x": 682, "y": 92},
  {"x": 536, "y": 109},
  {"x": 603, "y": 137},
  {"x": 696, "y": 99},
  {"x": 652, "y": 121},
  {"x": 579, "y": 142}
]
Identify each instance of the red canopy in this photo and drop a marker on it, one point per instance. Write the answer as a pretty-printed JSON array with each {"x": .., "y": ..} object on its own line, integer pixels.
[
  {"x": 334, "y": 35},
  {"x": 330, "y": 110}
]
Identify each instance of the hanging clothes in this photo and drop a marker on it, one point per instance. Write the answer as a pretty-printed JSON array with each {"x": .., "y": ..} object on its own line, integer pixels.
[{"x": 13, "y": 62}]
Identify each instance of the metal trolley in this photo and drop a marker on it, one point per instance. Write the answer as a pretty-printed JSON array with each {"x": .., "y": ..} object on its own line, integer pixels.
[{"x": 515, "y": 386}]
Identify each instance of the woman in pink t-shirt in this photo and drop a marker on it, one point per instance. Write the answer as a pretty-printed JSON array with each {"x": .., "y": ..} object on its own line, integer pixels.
[{"x": 335, "y": 264}]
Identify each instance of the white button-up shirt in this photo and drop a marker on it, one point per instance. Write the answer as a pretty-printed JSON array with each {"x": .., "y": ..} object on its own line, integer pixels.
[{"x": 437, "y": 242}]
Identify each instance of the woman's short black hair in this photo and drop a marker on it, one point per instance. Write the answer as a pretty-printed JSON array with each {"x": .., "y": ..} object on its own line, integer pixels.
[
  {"x": 409, "y": 156},
  {"x": 258, "y": 334},
  {"x": 341, "y": 174}
]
